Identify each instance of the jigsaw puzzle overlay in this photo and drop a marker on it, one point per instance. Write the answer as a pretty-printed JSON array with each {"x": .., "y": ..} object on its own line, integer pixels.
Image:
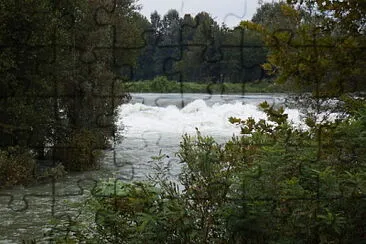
[{"x": 72, "y": 56}]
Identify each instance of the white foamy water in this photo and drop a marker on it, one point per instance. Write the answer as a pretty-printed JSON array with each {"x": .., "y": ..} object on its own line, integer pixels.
[
  {"x": 151, "y": 128},
  {"x": 138, "y": 119}
]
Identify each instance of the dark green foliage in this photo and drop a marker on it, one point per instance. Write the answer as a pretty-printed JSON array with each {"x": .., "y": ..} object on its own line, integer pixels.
[
  {"x": 162, "y": 85},
  {"x": 82, "y": 151},
  {"x": 56, "y": 86},
  {"x": 16, "y": 166},
  {"x": 322, "y": 52},
  {"x": 272, "y": 17},
  {"x": 197, "y": 49}
]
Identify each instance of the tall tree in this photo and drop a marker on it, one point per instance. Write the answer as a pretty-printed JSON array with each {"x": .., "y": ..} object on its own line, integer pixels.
[
  {"x": 272, "y": 17},
  {"x": 201, "y": 58},
  {"x": 323, "y": 54},
  {"x": 59, "y": 69}
]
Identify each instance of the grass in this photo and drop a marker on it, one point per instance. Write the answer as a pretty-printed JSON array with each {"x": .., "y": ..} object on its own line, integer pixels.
[{"x": 163, "y": 85}]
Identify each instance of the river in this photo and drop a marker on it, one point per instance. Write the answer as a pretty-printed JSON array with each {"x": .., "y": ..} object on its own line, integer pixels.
[{"x": 150, "y": 124}]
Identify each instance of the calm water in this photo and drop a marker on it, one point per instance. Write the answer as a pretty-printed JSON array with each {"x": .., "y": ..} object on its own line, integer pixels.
[{"x": 150, "y": 124}]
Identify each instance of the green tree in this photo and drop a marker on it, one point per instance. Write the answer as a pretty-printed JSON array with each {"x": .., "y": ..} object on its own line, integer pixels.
[
  {"x": 323, "y": 54},
  {"x": 244, "y": 53},
  {"x": 201, "y": 59},
  {"x": 59, "y": 69},
  {"x": 272, "y": 17},
  {"x": 146, "y": 65},
  {"x": 88, "y": 77},
  {"x": 219, "y": 54},
  {"x": 22, "y": 109}
]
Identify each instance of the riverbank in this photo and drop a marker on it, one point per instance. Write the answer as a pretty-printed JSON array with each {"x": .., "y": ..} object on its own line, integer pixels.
[{"x": 163, "y": 85}]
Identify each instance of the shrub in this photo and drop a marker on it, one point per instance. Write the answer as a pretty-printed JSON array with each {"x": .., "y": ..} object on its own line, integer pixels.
[
  {"x": 82, "y": 151},
  {"x": 17, "y": 166},
  {"x": 160, "y": 84}
]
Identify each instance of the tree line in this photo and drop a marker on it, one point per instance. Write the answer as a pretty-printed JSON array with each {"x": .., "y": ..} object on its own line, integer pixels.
[{"x": 198, "y": 49}]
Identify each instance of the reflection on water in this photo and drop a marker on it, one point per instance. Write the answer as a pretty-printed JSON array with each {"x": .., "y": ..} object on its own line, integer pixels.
[{"x": 151, "y": 123}]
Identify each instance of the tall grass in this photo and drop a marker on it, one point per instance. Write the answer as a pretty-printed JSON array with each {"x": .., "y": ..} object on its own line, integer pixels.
[{"x": 162, "y": 85}]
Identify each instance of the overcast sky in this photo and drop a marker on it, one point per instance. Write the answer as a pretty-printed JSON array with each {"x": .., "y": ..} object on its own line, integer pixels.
[{"x": 229, "y": 11}]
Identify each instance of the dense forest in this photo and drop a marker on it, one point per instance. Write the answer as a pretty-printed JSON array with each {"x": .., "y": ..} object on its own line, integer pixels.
[
  {"x": 63, "y": 70},
  {"x": 198, "y": 49}
]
